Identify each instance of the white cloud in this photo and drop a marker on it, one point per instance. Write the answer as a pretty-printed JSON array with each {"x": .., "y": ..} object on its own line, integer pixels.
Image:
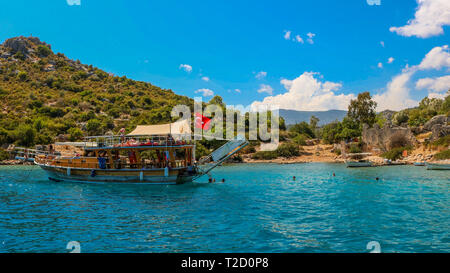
[
  {"x": 261, "y": 75},
  {"x": 390, "y": 60},
  {"x": 264, "y": 88},
  {"x": 311, "y": 36},
  {"x": 186, "y": 68},
  {"x": 299, "y": 39},
  {"x": 430, "y": 17},
  {"x": 382, "y": 43},
  {"x": 433, "y": 95},
  {"x": 308, "y": 93},
  {"x": 237, "y": 90},
  {"x": 74, "y": 2},
  {"x": 205, "y": 92},
  {"x": 206, "y": 79},
  {"x": 397, "y": 95},
  {"x": 380, "y": 65},
  {"x": 287, "y": 35},
  {"x": 439, "y": 84},
  {"x": 437, "y": 58}
]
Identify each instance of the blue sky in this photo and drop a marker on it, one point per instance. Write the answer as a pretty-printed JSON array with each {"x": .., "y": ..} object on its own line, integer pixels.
[{"x": 221, "y": 47}]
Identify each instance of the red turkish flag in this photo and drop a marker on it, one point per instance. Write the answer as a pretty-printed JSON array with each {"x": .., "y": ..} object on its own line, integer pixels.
[{"x": 202, "y": 122}]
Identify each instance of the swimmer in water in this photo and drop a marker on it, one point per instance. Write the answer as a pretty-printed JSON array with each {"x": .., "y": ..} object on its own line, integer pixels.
[
  {"x": 334, "y": 174},
  {"x": 293, "y": 178},
  {"x": 223, "y": 180},
  {"x": 377, "y": 178},
  {"x": 210, "y": 180}
]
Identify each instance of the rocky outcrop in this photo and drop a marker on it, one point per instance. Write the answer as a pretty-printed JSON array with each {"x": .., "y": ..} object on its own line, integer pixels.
[
  {"x": 440, "y": 119},
  {"x": 387, "y": 137},
  {"x": 18, "y": 44},
  {"x": 439, "y": 130},
  {"x": 439, "y": 127}
]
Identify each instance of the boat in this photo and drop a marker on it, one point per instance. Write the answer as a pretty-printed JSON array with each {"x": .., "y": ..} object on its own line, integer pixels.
[
  {"x": 151, "y": 154},
  {"x": 420, "y": 164},
  {"x": 438, "y": 166},
  {"x": 356, "y": 160}
]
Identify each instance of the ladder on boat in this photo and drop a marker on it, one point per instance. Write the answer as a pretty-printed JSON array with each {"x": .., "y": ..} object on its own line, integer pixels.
[{"x": 217, "y": 157}]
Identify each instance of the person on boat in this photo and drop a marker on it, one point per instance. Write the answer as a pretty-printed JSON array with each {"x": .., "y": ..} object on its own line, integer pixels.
[{"x": 122, "y": 135}]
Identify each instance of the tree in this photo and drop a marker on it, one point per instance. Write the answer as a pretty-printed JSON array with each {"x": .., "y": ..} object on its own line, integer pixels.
[
  {"x": 362, "y": 110},
  {"x": 93, "y": 126},
  {"x": 302, "y": 128},
  {"x": 43, "y": 51},
  {"x": 313, "y": 121},
  {"x": 25, "y": 135}
]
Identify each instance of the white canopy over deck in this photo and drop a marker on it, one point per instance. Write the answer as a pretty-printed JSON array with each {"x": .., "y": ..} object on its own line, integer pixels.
[{"x": 182, "y": 127}]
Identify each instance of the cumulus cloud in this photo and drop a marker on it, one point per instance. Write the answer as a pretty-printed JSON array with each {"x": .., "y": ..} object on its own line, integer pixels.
[
  {"x": 74, "y": 2},
  {"x": 438, "y": 84},
  {"x": 206, "y": 79},
  {"x": 261, "y": 75},
  {"x": 397, "y": 95},
  {"x": 437, "y": 58},
  {"x": 311, "y": 36},
  {"x": 205, "y": 92},
  {"x": 390, "y": 60},
  {"x": 186, "y": 68},
  {"x": 430, "y": 17},
  {"x": 287, "y": 35},
  {"x": 308, "y": 93},
  {"x": 264, "y": 88},
  {"x": 299, "y": 39}
]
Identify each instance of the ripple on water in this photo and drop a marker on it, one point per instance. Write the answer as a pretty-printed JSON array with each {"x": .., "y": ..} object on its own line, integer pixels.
[{"x": 259, "y": 209}]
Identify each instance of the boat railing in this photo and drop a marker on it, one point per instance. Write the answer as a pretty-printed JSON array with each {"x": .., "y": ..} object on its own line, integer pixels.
[
  {"x": 96, "y": 142},
  {"x": 92, "y": 163}
]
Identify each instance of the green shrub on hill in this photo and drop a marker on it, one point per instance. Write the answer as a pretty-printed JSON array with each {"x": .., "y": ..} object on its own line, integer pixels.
[
  {"x": 442, "y": 155},
  {"x": 288, "y": 150},
  {"x": 396, "y": 153},
  {"x": 265, "y": 155},
  {"x": 3, "y": 155}
]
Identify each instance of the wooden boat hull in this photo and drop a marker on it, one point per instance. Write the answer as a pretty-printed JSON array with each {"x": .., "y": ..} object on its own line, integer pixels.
[
  {"x": 138, "y": 176},
  {"x": 437, "y": 166},
  {"x": 356, "y": 164}
]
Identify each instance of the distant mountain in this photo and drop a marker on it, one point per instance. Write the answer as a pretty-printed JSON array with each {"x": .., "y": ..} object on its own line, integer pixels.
[{"x": 293, "y": 116}]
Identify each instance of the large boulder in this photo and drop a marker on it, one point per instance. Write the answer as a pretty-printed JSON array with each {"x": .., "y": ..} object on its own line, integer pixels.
[
  {"x": 440, "y": 119},
  {"x": 387, "y": 137},
  {"x": 19, "y": 44},
  {"x": 439, "y": 130}
]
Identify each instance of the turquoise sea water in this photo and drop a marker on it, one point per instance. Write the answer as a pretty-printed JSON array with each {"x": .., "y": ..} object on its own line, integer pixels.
[{"x": 258, "y": 209}]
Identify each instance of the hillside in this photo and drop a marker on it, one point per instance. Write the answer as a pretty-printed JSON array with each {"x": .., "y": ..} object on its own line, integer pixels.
[
  {"x": 45, "y": 94},
  {"x": 292, "y": 116}
]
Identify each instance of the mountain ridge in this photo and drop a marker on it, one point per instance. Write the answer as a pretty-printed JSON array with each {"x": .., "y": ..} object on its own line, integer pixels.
[{"x": 294, "y": 116}]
